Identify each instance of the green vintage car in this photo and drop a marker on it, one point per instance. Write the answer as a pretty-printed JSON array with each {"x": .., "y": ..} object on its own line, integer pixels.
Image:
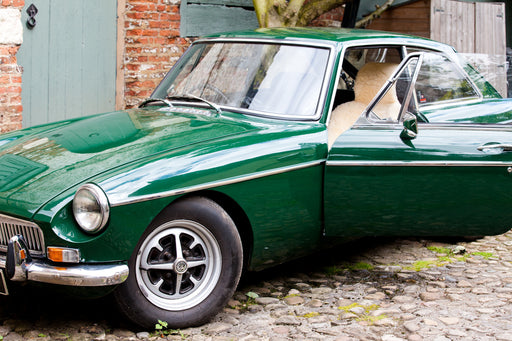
[{"x": 257, "y": 147}]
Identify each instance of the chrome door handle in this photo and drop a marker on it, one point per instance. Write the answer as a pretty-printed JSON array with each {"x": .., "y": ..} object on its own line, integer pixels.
[{"x": 504, "y": 146}]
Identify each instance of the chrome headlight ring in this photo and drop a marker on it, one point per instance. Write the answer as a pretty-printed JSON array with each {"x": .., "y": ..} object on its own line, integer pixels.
[{"x": 91, "y": 208}]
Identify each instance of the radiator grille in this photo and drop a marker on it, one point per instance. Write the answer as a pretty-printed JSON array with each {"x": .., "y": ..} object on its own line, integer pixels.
[{"x": 31, "y": 233}]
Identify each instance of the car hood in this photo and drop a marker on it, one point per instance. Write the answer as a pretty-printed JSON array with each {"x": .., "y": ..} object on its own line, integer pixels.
[{"x": 36, "y": 164}]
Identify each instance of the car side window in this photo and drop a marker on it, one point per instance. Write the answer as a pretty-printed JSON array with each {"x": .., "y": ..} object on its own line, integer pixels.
[
  {"x": 397, "y": 96},
  {"x": 437, "y": 81},
  {"x": 441, "y": 80},
  {"x": 355, "y": 58}
]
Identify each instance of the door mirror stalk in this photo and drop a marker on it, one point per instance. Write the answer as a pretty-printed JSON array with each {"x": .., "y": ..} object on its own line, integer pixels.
[{"x": 410, "y": 130}]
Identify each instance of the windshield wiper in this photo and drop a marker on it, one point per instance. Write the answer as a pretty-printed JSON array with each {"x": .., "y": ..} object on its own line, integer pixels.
[
  {"x": 153, "y": 100},
  {"x": 195, "y": 98}
]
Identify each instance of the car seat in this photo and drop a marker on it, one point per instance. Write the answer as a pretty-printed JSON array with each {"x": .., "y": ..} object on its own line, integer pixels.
[{"x": 370, "y": 79}]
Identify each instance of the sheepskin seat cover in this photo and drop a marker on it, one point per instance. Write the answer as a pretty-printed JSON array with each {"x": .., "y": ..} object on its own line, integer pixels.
[{"x": 370, "y": 79}]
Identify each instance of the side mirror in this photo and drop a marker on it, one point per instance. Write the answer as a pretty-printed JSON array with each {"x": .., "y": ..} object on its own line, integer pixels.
[{"x": 410, "y": 127}]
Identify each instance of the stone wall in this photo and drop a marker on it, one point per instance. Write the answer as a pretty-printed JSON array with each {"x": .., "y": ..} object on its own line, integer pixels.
[{"x": 11, "y": 37}]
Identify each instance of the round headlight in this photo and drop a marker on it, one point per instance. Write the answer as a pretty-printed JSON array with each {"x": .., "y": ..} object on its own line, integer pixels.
[{"x": 91, "y": 208}]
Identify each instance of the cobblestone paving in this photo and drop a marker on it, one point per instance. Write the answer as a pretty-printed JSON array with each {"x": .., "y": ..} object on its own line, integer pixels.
[{"x": 374, "y": 289}]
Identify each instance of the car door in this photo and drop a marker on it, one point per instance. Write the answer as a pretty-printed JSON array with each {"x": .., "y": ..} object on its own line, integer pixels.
[{"x": 451, "y": 177}]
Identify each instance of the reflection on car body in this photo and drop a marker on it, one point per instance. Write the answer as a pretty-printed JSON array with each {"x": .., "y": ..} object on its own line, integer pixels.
[{"x": 256, "y": 148}]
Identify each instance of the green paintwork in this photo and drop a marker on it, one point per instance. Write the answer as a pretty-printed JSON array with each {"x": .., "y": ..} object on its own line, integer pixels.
[
  {"x": 274, "y": 175},
  {"x": 326, "y": 35},
  {"x": 422, "y": 200},
  {"x": 487, "y": 111},
  {"x": 255, "y": 145},
  {"x": 150, "y": 132}
]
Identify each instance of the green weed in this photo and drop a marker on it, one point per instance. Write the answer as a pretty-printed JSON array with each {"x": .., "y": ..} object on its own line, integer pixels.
[
  {"x": 486, "y": 255},
  {"x": 312, "y": 314},
  {"x": 365, "y": 316},
  {"x": 438, "y": 249},
  {"x": 161, "y": 328}
]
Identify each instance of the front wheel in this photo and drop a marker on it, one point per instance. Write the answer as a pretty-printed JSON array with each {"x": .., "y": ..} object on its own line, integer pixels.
[{"x": 185, "y": 267}]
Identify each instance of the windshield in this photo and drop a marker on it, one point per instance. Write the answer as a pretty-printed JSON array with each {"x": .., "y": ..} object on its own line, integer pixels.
[{"x": 284, "y": 80}]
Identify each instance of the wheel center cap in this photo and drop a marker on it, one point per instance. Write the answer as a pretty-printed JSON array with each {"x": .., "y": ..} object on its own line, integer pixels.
[{"x": 180, "y": 266}]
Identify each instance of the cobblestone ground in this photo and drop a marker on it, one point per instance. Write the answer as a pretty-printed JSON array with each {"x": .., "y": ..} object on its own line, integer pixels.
[{"x": 376, "y": 289}]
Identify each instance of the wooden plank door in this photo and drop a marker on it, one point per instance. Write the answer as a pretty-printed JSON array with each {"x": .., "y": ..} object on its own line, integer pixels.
[
  {"x": 476, "y": 30},
  {"x": 453, "y": 22},
  {"x": 490, "y": 40},
  {"x": 68, "y": 60}
]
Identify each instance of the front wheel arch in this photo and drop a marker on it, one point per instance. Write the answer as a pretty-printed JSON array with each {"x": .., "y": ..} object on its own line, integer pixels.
[
  {"x": 185, "y": 267},
  {"x": 236, "y": 212}
]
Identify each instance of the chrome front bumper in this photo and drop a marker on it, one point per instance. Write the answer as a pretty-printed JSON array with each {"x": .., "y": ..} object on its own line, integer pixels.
[{"x": 20, "y": 266}]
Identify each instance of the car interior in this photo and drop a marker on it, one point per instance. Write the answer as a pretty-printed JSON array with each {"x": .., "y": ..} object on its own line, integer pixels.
[{"x": 365, "y": 71}]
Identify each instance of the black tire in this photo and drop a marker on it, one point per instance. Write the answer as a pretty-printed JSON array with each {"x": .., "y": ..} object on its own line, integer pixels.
[{"x": 208, "y": 271}]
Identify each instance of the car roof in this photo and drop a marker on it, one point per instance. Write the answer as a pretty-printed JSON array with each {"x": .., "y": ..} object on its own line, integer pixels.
[{"x": 330, "y": 34}]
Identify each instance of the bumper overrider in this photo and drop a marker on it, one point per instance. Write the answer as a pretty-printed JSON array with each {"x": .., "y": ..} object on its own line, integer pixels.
[{"x": 20, "y": 266}]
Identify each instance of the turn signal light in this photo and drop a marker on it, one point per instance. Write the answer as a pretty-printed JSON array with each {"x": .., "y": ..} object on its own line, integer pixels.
[{"x": 63, "y": 255}]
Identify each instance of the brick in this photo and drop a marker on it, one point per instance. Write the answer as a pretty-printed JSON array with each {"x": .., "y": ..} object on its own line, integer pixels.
[
  {"x": 163, "y": 8},
  {"x": 134, "y": 32},
  {"x": 159, "y": 24},
  {"x": 166, "y": 33},
  {"x": 152, "y": 31},
  {"x": 142, "y": 15},
  {"x": 143, "y": 8},
  {"x": 149, "y": 33},
  {"x": 170, "y": 16}
]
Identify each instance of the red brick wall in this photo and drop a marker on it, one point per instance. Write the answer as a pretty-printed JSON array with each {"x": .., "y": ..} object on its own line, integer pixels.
[
  {"x": 10, "y": 80},
  {"x": 152, "y": 45}
]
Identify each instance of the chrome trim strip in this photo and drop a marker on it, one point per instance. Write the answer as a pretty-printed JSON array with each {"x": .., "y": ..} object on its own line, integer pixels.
[
  {"x": 433, "y": 163},
  {"x": 117, "y": 201},
  {"x": 288, "y": 41},
  {"x": 464, "y": 126},
  {"x": 84, "y": 275},
  {"x": 387, "y": 125}
]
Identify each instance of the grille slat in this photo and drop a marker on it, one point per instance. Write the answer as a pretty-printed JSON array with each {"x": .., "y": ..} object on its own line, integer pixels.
[{"x": 32, "y": 234}]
